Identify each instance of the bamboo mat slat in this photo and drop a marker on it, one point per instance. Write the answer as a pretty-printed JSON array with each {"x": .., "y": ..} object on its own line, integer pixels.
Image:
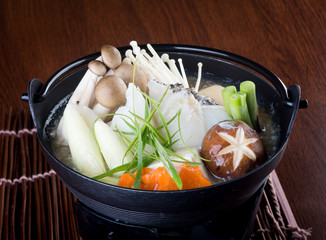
[{"x": 35, "y": 204}]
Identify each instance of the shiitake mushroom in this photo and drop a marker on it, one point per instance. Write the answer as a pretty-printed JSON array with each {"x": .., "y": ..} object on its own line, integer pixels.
[{"x": 233, "y": 148}]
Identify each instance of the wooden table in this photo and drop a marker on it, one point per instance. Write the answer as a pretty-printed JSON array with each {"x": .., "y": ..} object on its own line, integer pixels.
[{"x": 288, "y": 37}]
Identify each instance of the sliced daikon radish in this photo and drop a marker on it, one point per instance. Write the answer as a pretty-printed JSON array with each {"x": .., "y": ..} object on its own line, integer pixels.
[{"x": 214, "y": 114}]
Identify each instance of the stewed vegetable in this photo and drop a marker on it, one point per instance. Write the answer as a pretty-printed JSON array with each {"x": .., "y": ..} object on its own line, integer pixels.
[{"x": 136, "y": 122}]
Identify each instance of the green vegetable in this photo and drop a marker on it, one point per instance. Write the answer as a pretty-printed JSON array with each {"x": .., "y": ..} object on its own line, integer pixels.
[
  {"x": 239, "y": 109},
  {"x": 242, "y": 105},
  {"x": 84, "y": 151},
  {"x": 249, "y": 88},
  {"x": 111, "y": 145},
  {"x": 124, "y": 167},
  {"x": 227, "y": 92}
]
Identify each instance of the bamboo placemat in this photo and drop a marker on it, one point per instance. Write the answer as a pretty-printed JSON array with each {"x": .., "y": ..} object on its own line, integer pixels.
[{"x": 35, "y": 204}]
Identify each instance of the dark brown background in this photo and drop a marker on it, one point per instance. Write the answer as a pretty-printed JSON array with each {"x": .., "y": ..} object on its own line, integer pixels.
[{"x": 288, "y": 37}]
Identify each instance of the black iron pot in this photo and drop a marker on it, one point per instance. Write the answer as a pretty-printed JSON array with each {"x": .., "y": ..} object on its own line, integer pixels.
[{"x": 170, "y": 208}]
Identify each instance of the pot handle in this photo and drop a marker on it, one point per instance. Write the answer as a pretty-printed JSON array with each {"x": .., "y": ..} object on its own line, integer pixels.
[
  {"x": 40, "y": 91},
  {"x": 294, "y": 103},
  {"x": 33, "y": 91},
  {"x": 33, "y": 99}
]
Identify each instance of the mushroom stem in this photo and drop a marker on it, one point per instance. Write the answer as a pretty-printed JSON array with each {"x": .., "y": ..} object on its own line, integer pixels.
[
  {"x": 148, "y": 69},
  {"x": 155, "y": 66},
  {"x": 85, "y": 89},
  {"x": 159, "y": 65},
  {"x": 172, "y": 66},
  {"x": 110, "y": 72},
  {"x": 154, "y": 53},
  {"x": 184, "y": 77},
  {"x": 136, "y": 49},
  {"x": 200, "y": 66},
  {"x": 101, "y": 110},
  {"x": 126, "y": 61},
  {"x": 87, "y": 98},
  {"x": 146, "y": 61}
]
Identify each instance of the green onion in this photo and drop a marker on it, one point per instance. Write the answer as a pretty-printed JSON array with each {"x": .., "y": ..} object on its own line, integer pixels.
[
  {"x": 239, "y": 109},
  {"x": 226, "y": 94},
  {"x": 124, "y": 167},
  {"x": 249, "y": 88},
  {"x": 245, "y": 110}
]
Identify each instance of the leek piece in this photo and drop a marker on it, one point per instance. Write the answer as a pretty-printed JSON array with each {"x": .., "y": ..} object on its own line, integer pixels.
[
  {"x": 245, "y": 111},
  {"x": 112, "y": 146},
  {"x": 226, "y": 94},
  {"x": 85, "y": 154},
  {"x": 239, "y": 109},
  {"x": 110, "y": 180},
  {"x": 249, "y": 88}
]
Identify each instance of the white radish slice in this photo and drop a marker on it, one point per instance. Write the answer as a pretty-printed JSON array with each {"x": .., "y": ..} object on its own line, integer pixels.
[{"x": 214, "y": 114}]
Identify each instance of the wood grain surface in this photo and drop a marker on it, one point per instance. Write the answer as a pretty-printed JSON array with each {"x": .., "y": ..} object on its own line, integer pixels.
[{"x": 288, "y": 37}]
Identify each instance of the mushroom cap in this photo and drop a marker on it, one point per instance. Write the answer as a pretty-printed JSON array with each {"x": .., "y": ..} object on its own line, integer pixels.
[
  {"x": 110, "y": 92},
  {"x": 233, "y": 149},
  {"x": 125, "y": 72},
  {"x": 111, "y": 56},
  {"x": 97, "y": 67}
]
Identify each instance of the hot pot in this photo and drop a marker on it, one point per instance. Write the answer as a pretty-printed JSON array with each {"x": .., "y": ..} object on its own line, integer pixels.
[{"x": 170, "y": 208}]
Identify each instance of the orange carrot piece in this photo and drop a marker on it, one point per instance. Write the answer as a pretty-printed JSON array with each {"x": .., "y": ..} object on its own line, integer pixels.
[{"x": 160, "y": 180}]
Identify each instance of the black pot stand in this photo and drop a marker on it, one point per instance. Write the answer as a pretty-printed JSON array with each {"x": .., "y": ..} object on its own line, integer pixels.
[{"x": 237, "y": 224}]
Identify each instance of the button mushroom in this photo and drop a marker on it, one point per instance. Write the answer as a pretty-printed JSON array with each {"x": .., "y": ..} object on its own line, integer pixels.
[
  {"x": 125, "y": 72},
  {"x": 111, "y": 56},
  {"x": 97, "y": 67},
  {"x": 233, "y": 149},
  {"x": 110, "y": 93}
]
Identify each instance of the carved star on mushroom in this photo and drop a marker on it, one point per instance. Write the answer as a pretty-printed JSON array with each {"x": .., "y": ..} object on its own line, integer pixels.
[{"x": 239, "y": 146}]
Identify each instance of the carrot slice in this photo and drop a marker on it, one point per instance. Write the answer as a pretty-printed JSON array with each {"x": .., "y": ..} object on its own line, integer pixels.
[{"x": 160, "y": 180}]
